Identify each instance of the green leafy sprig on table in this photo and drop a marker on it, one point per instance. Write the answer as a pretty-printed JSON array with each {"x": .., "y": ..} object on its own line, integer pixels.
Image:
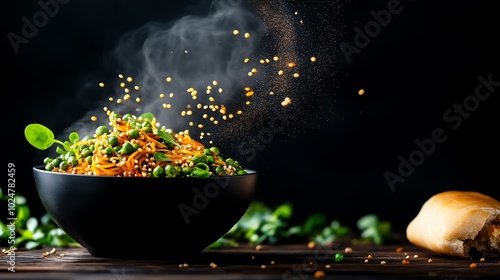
[
  {"x": 263, "y": 225},
  {"x": 30, "y": 232}
]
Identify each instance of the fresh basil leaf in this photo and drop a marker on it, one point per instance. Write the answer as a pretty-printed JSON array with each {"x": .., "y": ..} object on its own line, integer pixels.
[
  {"x": 161, "y": 157},
  {"x": 167, "y": 137},
  {"x": 148, "y": 116}
]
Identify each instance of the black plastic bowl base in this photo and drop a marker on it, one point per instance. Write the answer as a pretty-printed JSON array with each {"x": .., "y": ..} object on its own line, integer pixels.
[{"x": 144, "y": 218}]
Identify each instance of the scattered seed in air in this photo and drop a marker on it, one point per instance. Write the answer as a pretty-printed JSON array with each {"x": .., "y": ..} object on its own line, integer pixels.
[
  {"x": 361, "y": 92},
  {"x": 236, "y": 32},
  {"x": 101, "y": 84},
  {"x": 287, "y": 101},
  {"x": 93, "y": 118},
  {"x": 168, "y": 79},
  {"x": 313, "y": 59},
  {"x": 247, "y": 35}
]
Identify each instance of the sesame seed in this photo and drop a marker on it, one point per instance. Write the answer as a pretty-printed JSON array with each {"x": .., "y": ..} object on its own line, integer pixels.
[
  {"x": 236, "y": 32},
  {"x": 101, "y": 84}
]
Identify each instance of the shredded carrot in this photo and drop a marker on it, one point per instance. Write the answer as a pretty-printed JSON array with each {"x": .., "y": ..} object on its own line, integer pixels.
[{"x": 140, "y": 162}]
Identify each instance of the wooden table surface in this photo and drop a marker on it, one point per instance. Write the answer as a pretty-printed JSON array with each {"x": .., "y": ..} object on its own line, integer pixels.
[{"x": 294, "y": 261}]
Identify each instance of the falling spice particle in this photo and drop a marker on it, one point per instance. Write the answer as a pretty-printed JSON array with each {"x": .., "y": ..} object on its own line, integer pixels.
[
  {"x": 236, "y": 32},
  {"x": 101, "y": 84},
  {"x": 348, "y": 250},
  {"x": 247, "y": 35},
  {"x": 399, "y": 250},
  {"x": 473, "y": 265},
  {"x": 263, "y": 266},
  {"x": 361, "y": 92},
  {"x": 313, "y": 59},
  {"x": 311, "y": 245},
  {"x": 259, "y": 247},
  {"x": 405, "y": 261},
  {"x": 93, "y": 118}
]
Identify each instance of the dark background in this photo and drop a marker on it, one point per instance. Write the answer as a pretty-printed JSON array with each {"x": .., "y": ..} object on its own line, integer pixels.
[{"x": 427, "y": 59}]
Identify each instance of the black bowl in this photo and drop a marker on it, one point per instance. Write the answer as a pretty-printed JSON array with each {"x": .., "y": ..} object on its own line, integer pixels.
[{"x": 144, "y": 218}]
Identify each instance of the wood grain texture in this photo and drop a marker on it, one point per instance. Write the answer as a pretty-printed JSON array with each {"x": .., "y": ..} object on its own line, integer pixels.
[{"x": 295, "y": 261}]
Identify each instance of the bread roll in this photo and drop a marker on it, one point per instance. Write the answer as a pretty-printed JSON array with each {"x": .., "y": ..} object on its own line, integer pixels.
[{"x": 458, "y": 223}]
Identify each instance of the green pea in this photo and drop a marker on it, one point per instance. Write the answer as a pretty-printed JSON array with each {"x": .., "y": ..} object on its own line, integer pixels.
[
  {"x": 115, "y": 116},
  {"x": 63, "y": 165},
  {"x": 101, "y": 130},
  {"x": 136, "y": 146},
  {"x": 113, "y": 140},
  {"x": 207, "y": 152},
  {"x": 49, "y": 167},
  {"x": 147, "y": 127},
  {"x": 88, "y": 159},
  {"x": 170, "y": 170},
  {"x": 215, "y": 150},
  {"x": 127, "y": 149},
  {"x": 47, "y": 160},
  {"x": 210, "y": 160},
  {"x": 220, "y": 171},
  {"x": 200, "y": 158},
  {"x": 56, "y": 161},
  {"x": 72, "y": 161},
  {"x": 230, "y": 161},
  {"x": 86, "y": 152},
  {"x": 186, "y": 170},
  {"x": 109, "y": 150},
  {"x": 127, "y": 117},
  {"x": 339, "y": 257},
  {"x": 133, "y": 134},
  {"x": 158, "y": 172}
]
